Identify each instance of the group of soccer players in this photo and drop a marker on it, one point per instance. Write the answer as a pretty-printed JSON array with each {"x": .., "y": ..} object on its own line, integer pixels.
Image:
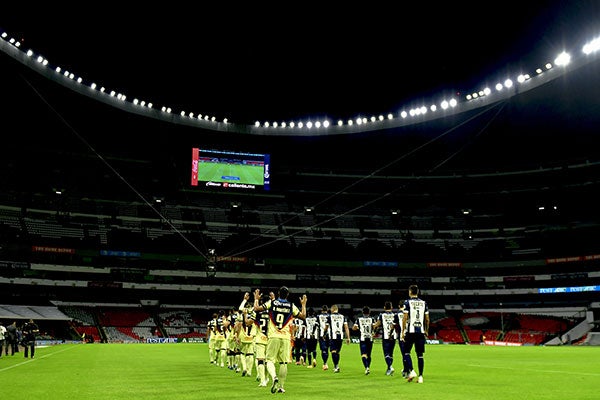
[
  {"x": 327, "y": 329},
  {"x": 237, "y": 339},
  {"x": 274, "y": 331},
  {"x": 258, "y": 332}
]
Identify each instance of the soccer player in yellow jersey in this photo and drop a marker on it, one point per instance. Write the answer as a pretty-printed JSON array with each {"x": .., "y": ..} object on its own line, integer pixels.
[
  {"x": 261, "y": 323},
  {"x": 233, "y": 350},
  {"x": 246, "y": 331},
  {"x": 281, "y": 314},
  {"x": 210, "y": 333},
  {"x": 219, "y": 338}
]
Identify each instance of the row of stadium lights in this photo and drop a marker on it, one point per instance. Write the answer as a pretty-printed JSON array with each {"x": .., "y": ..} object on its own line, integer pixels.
[
  {"x": 119, "y": 96},
  {"x": 562, "y": 60},
  {"x": 360, "y": 120}
]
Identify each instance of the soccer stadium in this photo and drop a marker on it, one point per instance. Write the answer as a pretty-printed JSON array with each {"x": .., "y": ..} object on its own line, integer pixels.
[{"x": 129, "y": 219}]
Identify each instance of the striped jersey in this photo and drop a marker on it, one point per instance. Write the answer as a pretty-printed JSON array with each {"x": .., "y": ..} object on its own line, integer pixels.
[
  {"x": 364, "y": 324},
  {"x": 300, "y": 328},
  {"x": 312, "y": 328},
  {"x": 416, "y": 309},
  {"x": 387, "y": 325},
  {"x": 336, "y": 326},
  {"x": 323, "y": 318}
]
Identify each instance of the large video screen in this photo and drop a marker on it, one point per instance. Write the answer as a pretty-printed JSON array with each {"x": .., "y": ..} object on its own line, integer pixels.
[{"x": 230, "y": 170}]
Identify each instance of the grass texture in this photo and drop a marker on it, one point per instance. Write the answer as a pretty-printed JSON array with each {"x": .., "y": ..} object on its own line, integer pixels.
[{"x": 182, "y": 371}]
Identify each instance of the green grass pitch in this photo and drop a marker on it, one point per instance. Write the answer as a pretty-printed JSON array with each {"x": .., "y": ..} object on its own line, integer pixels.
[{"x": 182, "y": 371}]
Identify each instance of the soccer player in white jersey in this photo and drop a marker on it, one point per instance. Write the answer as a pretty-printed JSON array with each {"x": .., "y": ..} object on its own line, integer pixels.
[
  {"x": 281, "y": 314},
  {"x": 364, "y": 325},
  {"x": 399, "y": 316},
  {"x": 312, "y": 338},
  {"x": 299, "y": 350},
  {"x": 337, "y": 328},
  {"x": 385, "y": 322},
  {"x": 323, "y": 317},
  {"x": 415, "y": 329}
]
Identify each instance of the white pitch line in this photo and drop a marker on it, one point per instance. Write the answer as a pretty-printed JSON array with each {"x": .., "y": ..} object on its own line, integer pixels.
[{"x": 32, "y": 360}]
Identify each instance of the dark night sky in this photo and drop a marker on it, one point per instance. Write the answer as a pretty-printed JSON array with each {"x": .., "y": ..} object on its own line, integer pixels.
[
  {"x": 248, "y": 62},
  {"x": 281, "y": 64}
]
